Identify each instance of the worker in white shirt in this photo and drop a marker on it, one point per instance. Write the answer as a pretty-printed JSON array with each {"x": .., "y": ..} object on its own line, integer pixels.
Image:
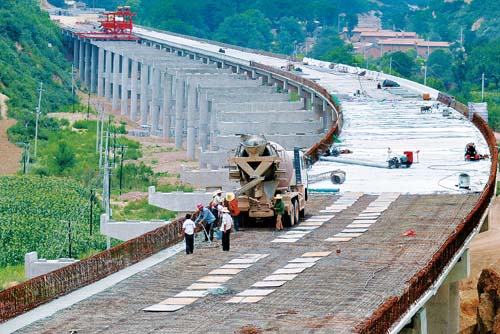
[
  {"x": 225, "y": 227},
  {"x": 188, "y": 230}
]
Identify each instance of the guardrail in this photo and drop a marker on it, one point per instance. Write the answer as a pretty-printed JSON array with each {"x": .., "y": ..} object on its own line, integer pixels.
[{"x": 395, "y": 307}]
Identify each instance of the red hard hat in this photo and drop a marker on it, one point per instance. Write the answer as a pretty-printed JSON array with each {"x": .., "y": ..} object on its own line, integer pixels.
[{"x": 199, "y": 206}]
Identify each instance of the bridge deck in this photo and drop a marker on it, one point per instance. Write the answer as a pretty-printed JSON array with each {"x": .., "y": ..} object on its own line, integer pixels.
[{"x": 334, "y": 295}]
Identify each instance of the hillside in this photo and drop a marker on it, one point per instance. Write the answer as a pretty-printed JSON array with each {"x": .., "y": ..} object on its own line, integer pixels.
[{"x": 31, "y": 52}]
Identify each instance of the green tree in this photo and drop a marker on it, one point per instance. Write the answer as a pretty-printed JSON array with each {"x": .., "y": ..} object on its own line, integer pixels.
[
  {"x": 249, "y": 29},
  {"x": 484, "y": 59},
  {"x": 439, "y": 65},
  {"x": 401, "y": 63},
  {"x": 64, "y": 158},
  {"x": 290, "y": 33},
  {"x": 329, "y": 47}
]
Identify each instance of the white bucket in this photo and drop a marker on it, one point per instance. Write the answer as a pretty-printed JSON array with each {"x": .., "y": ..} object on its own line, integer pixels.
[{"x": 464, "y": 181}]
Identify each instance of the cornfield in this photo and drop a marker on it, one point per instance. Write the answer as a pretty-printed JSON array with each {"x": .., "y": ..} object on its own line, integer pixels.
[{"x": 34, "y": 216}]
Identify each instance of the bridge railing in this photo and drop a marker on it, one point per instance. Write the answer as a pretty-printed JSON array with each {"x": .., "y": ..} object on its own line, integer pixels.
[
  {"x": 395, "y": 307},
  {"x": 30, "y": 294}
]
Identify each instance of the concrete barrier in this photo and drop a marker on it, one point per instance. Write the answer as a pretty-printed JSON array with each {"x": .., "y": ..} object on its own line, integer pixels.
[
  {"x": 33, "y": 266},
  {"x": 129, "y": 229}
]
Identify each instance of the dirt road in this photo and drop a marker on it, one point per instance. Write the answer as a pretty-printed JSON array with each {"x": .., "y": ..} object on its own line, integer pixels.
[{"x": 10, "y": 154}]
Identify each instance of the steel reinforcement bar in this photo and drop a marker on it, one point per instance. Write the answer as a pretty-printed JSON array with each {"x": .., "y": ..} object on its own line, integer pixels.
[
  {"x": 30, "y": 294},
  {"x": 395, "y": 307}
]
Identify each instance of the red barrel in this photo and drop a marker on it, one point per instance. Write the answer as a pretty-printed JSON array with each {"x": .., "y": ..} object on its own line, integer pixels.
[{"x": 409, "y": 155}]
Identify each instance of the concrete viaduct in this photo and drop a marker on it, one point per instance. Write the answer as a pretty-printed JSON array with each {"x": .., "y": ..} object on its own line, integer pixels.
[{"x": 203, "y": 99}]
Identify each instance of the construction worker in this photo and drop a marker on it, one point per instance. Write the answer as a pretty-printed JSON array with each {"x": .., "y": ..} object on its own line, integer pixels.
[
  {"x": 234, "y": 210},
  {"x": 206, "y": 216},
  {"x": 279, "y": 209},
  {"x": 216, "y": 204},
  {"x": 471, "y": 152},
  {"x": 225, "y": 227},
  {"x": 188, "y": 227}
]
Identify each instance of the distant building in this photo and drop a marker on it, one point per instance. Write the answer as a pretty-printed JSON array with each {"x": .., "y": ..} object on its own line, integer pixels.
[{"x": 374, "y": 43}]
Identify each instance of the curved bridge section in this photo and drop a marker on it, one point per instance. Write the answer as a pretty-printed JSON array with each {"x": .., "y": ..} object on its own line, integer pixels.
[{"x": 341, "y": 289}]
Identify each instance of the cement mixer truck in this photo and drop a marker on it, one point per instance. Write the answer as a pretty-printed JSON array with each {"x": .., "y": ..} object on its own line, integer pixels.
[{"x": 265, "y": 169}]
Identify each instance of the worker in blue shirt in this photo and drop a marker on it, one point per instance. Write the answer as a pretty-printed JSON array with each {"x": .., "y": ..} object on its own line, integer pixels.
[{"x": 206, "y": 216}]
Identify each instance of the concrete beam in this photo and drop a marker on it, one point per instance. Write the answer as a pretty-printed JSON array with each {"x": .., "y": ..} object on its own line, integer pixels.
[
  {"x": 209, "y": 179},
  {"x": 291, "y": 116},
  {"x": 287, "y": 141},
  {"x": 130, "y": 229},
  {"x": 274, "y": 126},
  {"x": 257, "y": 106},
  {"x": 178, "y": 201},
  {"x": 214, "y": 159},
  {"x": 264, "y": 98}
]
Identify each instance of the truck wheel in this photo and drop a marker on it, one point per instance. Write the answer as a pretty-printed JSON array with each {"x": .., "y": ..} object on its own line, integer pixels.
[
  {"x": 289, "y": 218},
  {"x": 296, "y": 212}
]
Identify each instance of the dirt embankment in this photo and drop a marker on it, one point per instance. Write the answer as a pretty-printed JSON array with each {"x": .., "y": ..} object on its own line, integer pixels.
[
  {"x": 10, "y": 154},
  {"x": 484, "y": 253}
]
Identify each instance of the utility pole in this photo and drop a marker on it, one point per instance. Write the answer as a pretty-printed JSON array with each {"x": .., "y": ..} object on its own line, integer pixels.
[
  {"x": 73, "y": 87},
  {"x": 26, "y": 157},
  {"x": 105, "y": 185},
  {"x": 91, "y": 217},
  {"x": 101, "y": 139},
  {"x": 426, "y": 61},
  {"x": 425, "y": 74},
  {"x": 482, "y": 87},
  {"x": 122, "y": 147},
  {"x": 38, "y": 110},
  {"x": 88, "y": 106},
  {"x": 69, "y": 239}
]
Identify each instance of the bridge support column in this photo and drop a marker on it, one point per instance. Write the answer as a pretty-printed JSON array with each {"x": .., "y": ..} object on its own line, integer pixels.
[
  {"x": 443, "y": 310},
  {"x": 107, "y": 80},
  {"x": 418, "y": 324},
  {"x": 191, "y": 113},
  {"x": 81, "y": 60},
  {"x": 179, "y": 111},
  {"x": 94, "y": 64},
  {"x": 144, "y": 93},
  {"x": 203, "y": 122},
  {"x": 167, "y": 105},
  {"x": 133, "y": 90},
  {"x": 155, "y": 98},
  {"x": 88, "y": 66},
  {"x": 76, "y": 52},
  {"x": 438, "y": 314},
  {"x": 100, "y": 72},
  {"x": 124, "y": 91},
  {"x": 327, "y": 116},
  {"x": 116, "y": 80}
]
